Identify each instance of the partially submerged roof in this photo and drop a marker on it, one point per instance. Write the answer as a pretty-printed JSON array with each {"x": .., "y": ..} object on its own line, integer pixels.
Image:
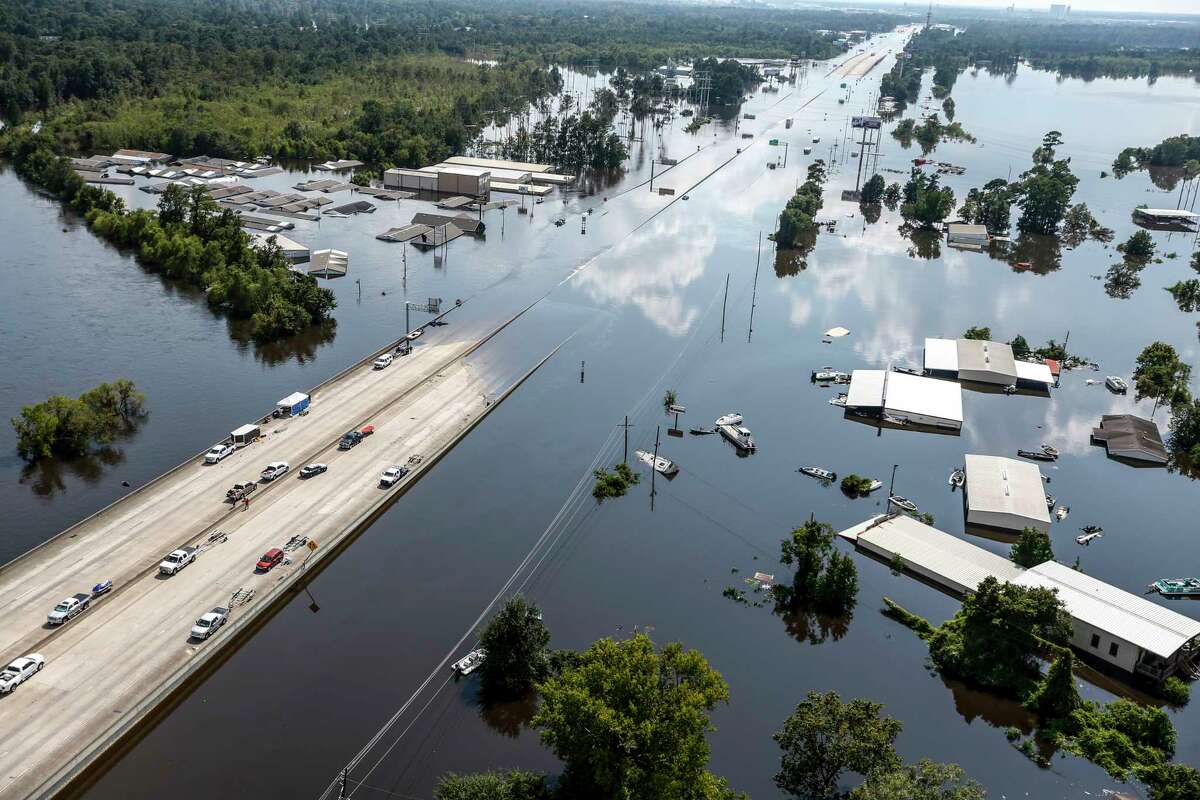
[
  {"x": 981, "y": 360},
  {"x": 914, "y": 397},
  {"x": 497, "y": 163},
  {"x": 1105, "y": 607},
  {"x": 464, "y": 222},
  {"x": 1034, "y": 372},
  {"x": 945, "y": 559},
  {"x": 1130, "y": 437},
  {"x": 1005, "y": 493},
  {"x": 941, "y": 355}
]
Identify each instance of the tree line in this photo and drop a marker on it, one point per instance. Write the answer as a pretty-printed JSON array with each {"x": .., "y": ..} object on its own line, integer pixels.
[
  {"x": 190, "y": 240},
  {"x": 68, "y": 426}
]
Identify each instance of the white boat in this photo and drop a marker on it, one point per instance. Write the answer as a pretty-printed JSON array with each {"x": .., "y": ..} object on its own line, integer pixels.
[
  {"x": 839, "y": 401},
  {"x": 903, "y": 503},
  {"x": 470, "y": 662},
  {"x": 739, "y": 435},
  {"x": 1116, "y": 384},
  {"x": 733, "y": 418},
  {"x": 957, "y": 478},
  {"x": 663, "y": 465},
  {"x": 819, "y": 472},
  {"x": 1061, "y": 512},
  {"x": 875, "y": 484},
  {"x": 1088, "y": 538},
  {"x": 1050, "y": 451},
  {"x": 831, "y": 377},
  {"x": 893, "y": 420}
]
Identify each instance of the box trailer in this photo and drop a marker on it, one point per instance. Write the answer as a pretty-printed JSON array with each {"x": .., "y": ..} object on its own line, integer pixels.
[
  {"x": 294, "y": 404},
  {"x": 245, "y": 435}
]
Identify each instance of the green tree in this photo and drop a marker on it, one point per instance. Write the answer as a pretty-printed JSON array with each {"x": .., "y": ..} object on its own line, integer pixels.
[
  {"x": 517, "y": 645},
  {"x": 1055, "y": 695},
  {"x": 891, "y": 196},
  {"x": 926, "y": 780},
  {"x": 496, "y": 785},
  {"x": 1161, "y": 374},
  {"x": 992, "y": 640},
  {"x": 1046, "y": 189},
  {"x": 978, "y": 332},
  {"x": 1184, "y": 436},
  {"x": 629, "y": 722},
  {"x": 823, "y": 577},
  {"x": 872, "y": 191},
  {"x": 1020, "y": 347},
  {"x": 1186, "y": 294},
  {"x": 1138, "y": 248},
  {"x": 1032, "y": 548},
  {"x": 1174, "y": 782},
  {"x": 926, "y": 201},
  {"x": 825, "y": 738}
]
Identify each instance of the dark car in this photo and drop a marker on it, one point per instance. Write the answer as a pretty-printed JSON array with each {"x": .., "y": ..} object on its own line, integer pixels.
[
  {"x": 349, "y": 439},
  {"x": 269, "y": 560},
  {"x": 313, "y": 469}
]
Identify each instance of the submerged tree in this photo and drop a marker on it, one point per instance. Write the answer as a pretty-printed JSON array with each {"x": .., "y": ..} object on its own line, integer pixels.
[
  {"x": 823, "y": 577},
  {"x": 1032, "y": 548},
  {"x": 925, "y": 780},
  {"x": 825, "y": 738},
  {"x": 1138, "y": 248},
  {"x": 1046, "y": 189},
  {"x": 517, "y": 645},
  {"x": 1161, "y": 374},
  {"x": 926, "y": 201}
]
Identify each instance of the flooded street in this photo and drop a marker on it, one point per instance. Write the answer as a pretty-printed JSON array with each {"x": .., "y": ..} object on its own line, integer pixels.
[{"x": 640, "y": 314}]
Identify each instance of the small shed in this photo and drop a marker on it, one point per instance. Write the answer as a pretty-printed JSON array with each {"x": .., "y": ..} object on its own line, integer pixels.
[
  {"x": 1005, "y": 493},
  {"x": 244, "y": 435},
  {"x": 328, "y": 264},
  {"x": 292, "y": 405},
  {"x": 970, "y": 235}
]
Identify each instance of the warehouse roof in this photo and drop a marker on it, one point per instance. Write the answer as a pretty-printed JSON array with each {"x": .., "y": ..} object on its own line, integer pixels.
[
  {"x": 904, "y": 394},
  {"x": 984, "y": 358},
  {"x": 866, "y": 389},
  {"x": 1034, "y": 372},
  {"x": 1126, "y": 616},
  {"x": 946, "y": 559},
  {"x": 941, "y": 355},
  {"x": 497, "y": 163},
  {"x": 997, "y": 485}
]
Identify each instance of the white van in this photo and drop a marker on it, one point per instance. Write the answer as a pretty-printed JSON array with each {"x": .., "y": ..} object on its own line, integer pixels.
[{"x": 384, "y": 360}]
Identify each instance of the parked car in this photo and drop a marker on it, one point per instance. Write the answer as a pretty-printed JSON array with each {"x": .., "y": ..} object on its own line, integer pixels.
[
  {"x": 20, "y": 671},
  {"x": 217, "y": 452},
  {"x": 384, "y": 360},
  {"x": 366, "y": 430},
  {"x": 177, "y": 560},
  {"x": 69, "y": 608},
  {"x": 312, "y": 469},
  {"x": 349, "y": 439},
  {"x": 101, "y": 588},
  {"x": 270, "y": 559},
  {"x": 391, "y": 475},
  {"x": 274, "y": 470},
  {"x": 207, "y": 625},
  {"x": 240, "y": 490}
]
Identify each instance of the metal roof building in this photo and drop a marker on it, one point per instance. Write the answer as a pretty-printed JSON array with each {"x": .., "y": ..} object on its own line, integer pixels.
[
  {"x": 986, "y": 362},
  {"x": 1108, "y": 623},
  {"x": 1116, "y": 626},
  {"x": 941, "y": 357},
  {"x": 1130, "y": 438},
  {"x": 1034, "y": 373},
  {"x": 912, "y": 398},
  {"x": 944, "y": 559},
  {"x": 1167, "y": 217},
  {"x": 1005, "y": 493}
]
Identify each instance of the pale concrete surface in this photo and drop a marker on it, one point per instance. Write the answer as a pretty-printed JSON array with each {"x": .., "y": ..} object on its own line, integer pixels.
[{"x": 105, "y": 662}]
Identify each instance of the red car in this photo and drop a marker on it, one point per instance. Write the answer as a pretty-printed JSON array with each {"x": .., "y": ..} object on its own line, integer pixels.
[
  {"x": 367, "y": 431},
  {"x": 270, "y": 559}
]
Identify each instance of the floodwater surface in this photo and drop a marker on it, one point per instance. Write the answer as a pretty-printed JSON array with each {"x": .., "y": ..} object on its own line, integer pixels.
[{"x": 642, "y": 314}]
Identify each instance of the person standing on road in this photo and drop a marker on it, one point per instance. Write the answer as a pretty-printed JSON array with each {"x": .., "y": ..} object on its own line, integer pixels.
[{"x": 245, "y": 504}]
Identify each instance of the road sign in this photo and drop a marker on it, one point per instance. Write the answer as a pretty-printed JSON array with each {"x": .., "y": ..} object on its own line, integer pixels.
[{"x": 774, "y": 142}]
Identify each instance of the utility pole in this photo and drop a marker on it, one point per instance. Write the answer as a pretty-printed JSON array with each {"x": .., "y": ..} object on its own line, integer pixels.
[
  {"x": 654, "y": 471},
  {"x": 342, "y": 783},
  {"x": 892, "y": 486},
  {"x": 754, "y": 291},
  {"x": 626, "y": 426},
  {"x": 723, "y": 302}
]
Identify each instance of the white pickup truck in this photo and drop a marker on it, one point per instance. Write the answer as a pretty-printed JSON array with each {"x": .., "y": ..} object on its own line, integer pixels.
[
  {"x": 178, "y": 560},
  {"x": 68, "y": 608}
]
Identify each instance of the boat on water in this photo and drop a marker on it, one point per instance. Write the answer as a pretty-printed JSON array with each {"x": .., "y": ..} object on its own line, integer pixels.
[
  {"x": 874, "y": 484},
  {"x": 957, "y": 478},
  {"x": 1049, "y": 501},
  {"x": 1087, "y": 538},
  {"x": 907, "y": 370},
  {"x": 819, "y": 472},
  {"x": 1037, "y": 455},
  {"x": 1050, "y": 451},
  {"x": 1116, "y": 384},
  {"x": 1092, "y": 529},
  {"x": 830, "y": 376},
  {"x": 662, "y": 465},
  {"x": 1061, "y": 512},
  {"x": 839, "y": 401},
  {"x": 893, "y": 420},
  {"x": 739, "y": 435},
  {"x": 702, "y": 431},
  {"x": 470, "y": 662},
  {"x": 1176, "y": 587},
  {"x": 903, "y": 503},
  {"x": 732, "y": 418}
]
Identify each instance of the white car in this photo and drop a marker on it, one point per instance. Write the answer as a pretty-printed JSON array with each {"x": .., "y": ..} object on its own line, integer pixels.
[
  {"x": 207, "y": 625},
  {"x": 18, "y": 671},
  {"x": 391, "y": 475},
  {"x": 217, "y": 453},
  {"x": 68, "y": 608},
  {"x": 274, "y": 470},
  {"x": 384, "y": 360}
]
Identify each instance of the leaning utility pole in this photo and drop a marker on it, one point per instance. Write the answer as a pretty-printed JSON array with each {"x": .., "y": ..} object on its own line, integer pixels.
[{"x": 626, "y": 426}]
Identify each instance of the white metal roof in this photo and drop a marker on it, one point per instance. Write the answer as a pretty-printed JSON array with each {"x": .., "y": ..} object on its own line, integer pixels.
[
  {"x": 1173, "y": 213},
  {"x": 1126, "y": 616},
  {"x": 997, "y": 485},
  {"x": 1034, "y": 372},
  {"x": 941, "y": 355},
  {"x": 951, "y": 561},
  {"x": 986, "y": 360},
  {"x": 292, "y": 399},
  {"x": 961, "y": 229},
  {"x": 866, "y": 389},
  {"x": 245, "y": 429},
  {"x": 497, "y": 163},
  {"x": 928, "y": 397}
]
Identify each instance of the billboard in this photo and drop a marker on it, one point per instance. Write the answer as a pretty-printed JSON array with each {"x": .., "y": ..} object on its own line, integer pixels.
[{"x": 866, "y": 122}]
